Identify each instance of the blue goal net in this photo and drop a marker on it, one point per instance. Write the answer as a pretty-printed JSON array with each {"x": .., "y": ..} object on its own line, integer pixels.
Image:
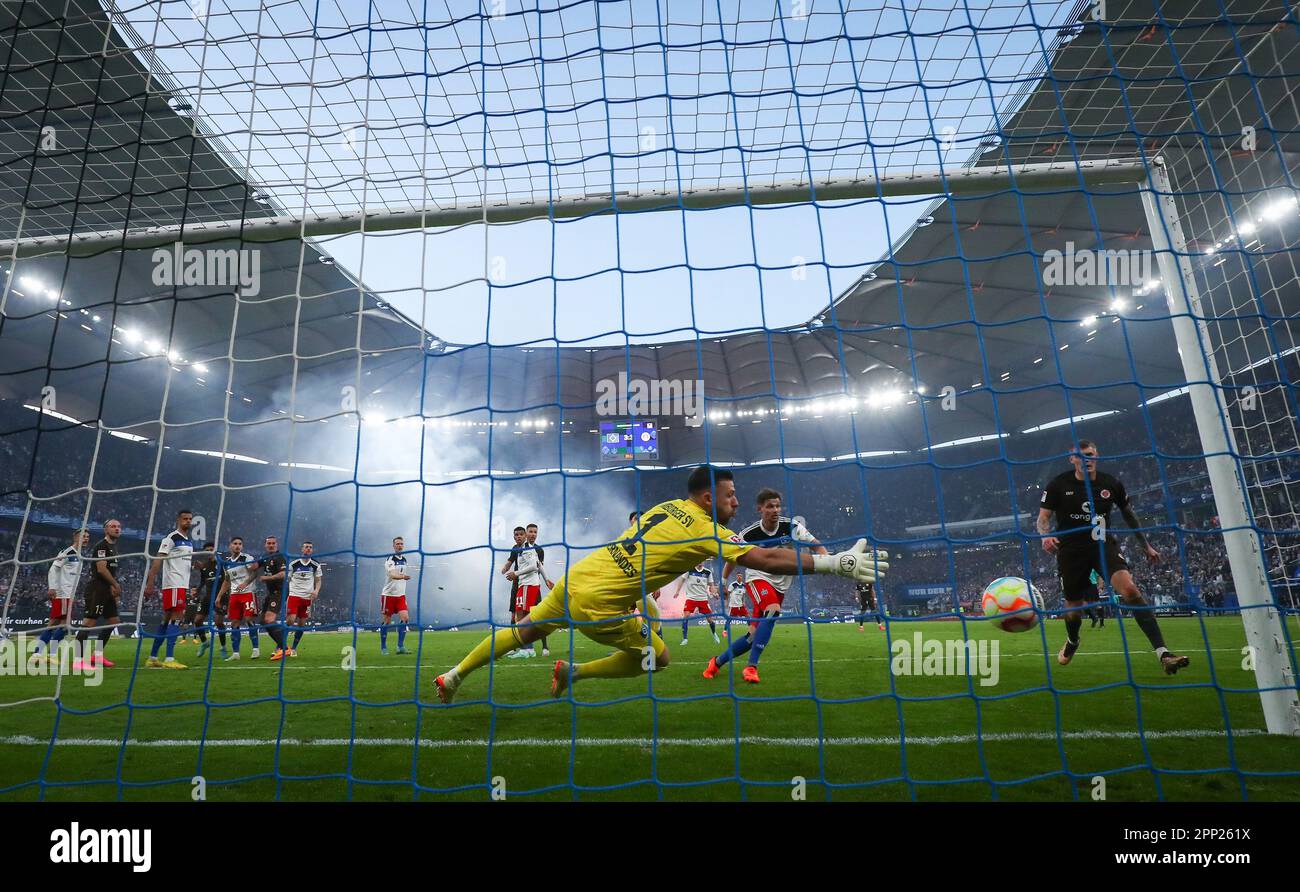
[{"x": 346, "y": 349}]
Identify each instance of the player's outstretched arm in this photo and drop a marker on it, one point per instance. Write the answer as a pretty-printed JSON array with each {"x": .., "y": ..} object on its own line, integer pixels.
[
  {"x": 857, "y": 563},
  {"x": 151, "y": 584},
  {"x": 1126, "y": 511},
  {"x": 1044, "y": 527},
  {"x": 54, "y": 575},
  {"x": 101, "y": 568}
]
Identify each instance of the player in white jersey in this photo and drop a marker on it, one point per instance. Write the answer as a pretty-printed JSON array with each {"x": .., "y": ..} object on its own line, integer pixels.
[
  {"x": 305, "y": 576},
  {"x": 61, "y": 580},
  {"x": 531, "y": 535},
  {"x": 765, "y": 591},
  {"x": 735, "y": 602},
  {"x": 392, "y": 601},
  {"x": 525, "y": 568},
  {"x": 239, "y": 572},
  {"x": 175, "y": 561},
  {"x": 696, "y": 587}
]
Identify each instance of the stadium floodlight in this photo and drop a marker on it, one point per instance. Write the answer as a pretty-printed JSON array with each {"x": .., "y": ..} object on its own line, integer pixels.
[
  {"x": 1279, "y": 208},
  {"x": 885, "y": 398}
]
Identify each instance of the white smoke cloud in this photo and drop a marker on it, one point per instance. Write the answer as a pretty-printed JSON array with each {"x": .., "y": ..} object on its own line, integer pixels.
[{"x": 430, "y": 485}]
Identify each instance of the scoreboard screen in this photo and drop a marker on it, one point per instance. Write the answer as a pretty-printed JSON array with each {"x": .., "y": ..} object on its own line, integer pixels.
[{"x": 621, "y": 440}]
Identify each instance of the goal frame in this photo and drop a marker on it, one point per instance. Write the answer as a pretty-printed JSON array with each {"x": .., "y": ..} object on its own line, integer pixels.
[
  {"x": 1275, "y": 673},
  {"x": 1049, "y": 176},
  {"x": 1265, "y": 633}
]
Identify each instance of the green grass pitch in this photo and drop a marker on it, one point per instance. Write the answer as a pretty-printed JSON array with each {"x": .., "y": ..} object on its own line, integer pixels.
[{"x": 834, "y": 721}]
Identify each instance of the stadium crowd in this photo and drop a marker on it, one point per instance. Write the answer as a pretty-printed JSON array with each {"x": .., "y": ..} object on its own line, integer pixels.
[{"x": 987, "y": 494}]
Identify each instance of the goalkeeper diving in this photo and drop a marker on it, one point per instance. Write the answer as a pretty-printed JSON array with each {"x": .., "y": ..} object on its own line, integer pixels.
[{"x": 600, "y": 592}]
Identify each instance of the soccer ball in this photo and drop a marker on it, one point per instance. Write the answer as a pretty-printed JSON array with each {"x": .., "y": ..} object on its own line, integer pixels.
[{"x": 1007, "y": 595}]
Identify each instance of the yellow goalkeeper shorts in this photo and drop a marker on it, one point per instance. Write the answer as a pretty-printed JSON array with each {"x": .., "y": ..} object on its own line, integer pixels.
[{"x": 620, "y": 631}]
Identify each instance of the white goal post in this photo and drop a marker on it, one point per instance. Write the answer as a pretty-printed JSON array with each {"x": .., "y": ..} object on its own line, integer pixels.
[{"x": 1265, "y": 635}]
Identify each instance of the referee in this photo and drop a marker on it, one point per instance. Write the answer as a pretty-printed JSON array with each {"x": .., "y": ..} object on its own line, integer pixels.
[{"x": 1082, "y": 500}]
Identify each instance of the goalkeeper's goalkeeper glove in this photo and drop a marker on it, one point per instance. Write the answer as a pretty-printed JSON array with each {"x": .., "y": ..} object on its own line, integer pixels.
[{"x": 857, "y": 563}]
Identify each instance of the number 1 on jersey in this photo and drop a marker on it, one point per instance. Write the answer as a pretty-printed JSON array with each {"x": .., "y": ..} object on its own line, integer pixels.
[{"x": 630, "y": 545}]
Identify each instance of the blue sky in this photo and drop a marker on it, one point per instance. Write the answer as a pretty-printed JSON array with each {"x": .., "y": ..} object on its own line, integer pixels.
[{"x": 344, "y": 106}]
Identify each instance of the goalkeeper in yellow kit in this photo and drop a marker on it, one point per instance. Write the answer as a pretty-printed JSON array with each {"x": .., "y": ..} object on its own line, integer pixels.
[{"x": 599, "y": 593}]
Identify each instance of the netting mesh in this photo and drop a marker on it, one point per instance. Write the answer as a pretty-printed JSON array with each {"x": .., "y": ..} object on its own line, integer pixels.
[{"x": 910, "y": 369}]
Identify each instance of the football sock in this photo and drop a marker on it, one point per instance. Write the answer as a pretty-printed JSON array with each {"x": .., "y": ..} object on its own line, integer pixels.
[
  {"x": 44, "y": 639},
  {"x": 761, "y": 637},
  {"x": 297, "y": 636},
  {"x": 158, "y": 640},
  {"x": 1073, "y": 622},
  {"x": 401, "y": 636},
  {"x": 235, "y": 637},
  {"x": 252, "y": 636},
  {"x": 221, "y": 633},
  {"x": 173, "y": 632},
  {"x": 713, "y": 629},
  {"x": 276, "y": 635},
  {"x": 622, "y": 664},
  {"x": 202, "y": 633},
  {"x": 492, "y": 647},
  {"x": 383, "y": 636},
  {"x": 685, "y": 627},
  {"x": 1146, "y": 621},
  {"x": 738, "y": 648}
]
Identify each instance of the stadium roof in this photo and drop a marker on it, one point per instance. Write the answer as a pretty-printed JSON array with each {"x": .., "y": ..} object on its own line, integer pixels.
[
  {"x": 125, "y": 155},
  {"x": 925, "y": 319}
]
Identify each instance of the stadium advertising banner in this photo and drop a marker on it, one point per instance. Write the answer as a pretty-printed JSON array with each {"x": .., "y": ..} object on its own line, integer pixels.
[{"x": 924, "y": 591}]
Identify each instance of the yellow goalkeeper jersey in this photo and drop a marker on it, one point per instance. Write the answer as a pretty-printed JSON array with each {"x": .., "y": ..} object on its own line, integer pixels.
[{"x": 670, "y": 539}]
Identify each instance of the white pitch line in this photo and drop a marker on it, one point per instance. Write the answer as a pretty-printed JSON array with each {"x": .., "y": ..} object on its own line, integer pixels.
[
  {"x": 547, "y": 663},
  {"x": 920, "y": 740}
]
